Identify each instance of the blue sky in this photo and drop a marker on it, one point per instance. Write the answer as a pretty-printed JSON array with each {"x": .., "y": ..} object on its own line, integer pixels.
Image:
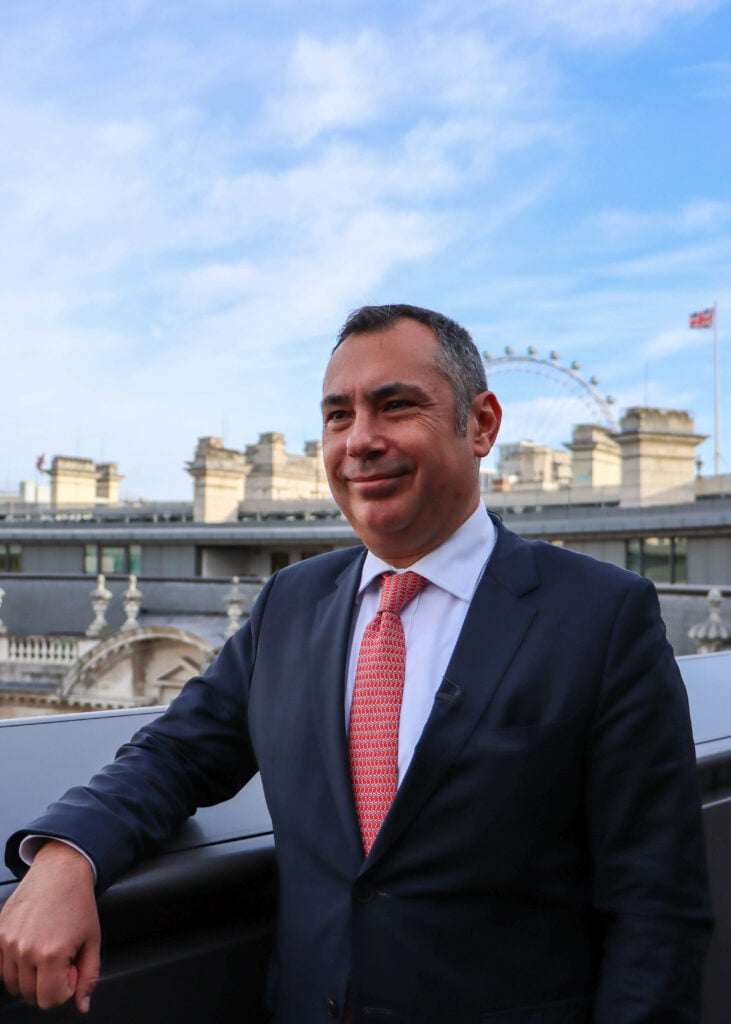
[{"x": 194, "y": 195}]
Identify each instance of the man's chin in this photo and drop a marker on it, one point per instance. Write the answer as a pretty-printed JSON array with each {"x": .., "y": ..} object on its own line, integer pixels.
[{"x": 375, "y": 519}]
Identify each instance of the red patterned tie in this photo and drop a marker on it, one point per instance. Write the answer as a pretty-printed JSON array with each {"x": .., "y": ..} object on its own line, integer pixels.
[{"x": 376, "y": 706}]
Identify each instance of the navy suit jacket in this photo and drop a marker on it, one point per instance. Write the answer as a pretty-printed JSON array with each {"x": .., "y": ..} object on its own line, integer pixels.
[{"x": 543, "y": 859}]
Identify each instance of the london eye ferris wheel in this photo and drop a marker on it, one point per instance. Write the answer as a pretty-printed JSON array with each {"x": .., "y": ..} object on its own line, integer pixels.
[{"x": 543, "y": 398}]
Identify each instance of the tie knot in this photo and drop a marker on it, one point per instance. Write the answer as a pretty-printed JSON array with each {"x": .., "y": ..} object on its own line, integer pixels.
[{"x": 397, "y": 589}]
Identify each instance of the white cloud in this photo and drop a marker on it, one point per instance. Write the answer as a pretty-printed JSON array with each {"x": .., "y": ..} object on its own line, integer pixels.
[
  {"x": 247, "y": 308},
  {"x": 704, "y": 260},
  {"x": 428, "y": 78},
  {"x": 627, "y": 227},
  {"x": 590, "y": 22},
  {"x": 332, "y": 85},
  {"x": 714, "y": 78},
  {"x": 670, "y": 343}
]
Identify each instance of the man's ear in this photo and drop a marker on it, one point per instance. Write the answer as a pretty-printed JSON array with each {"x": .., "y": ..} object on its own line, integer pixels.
[{"x": 486, "y": 416}]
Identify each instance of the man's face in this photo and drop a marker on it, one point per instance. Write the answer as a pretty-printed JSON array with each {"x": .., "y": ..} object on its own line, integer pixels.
[{"x": 397, "y": 468}]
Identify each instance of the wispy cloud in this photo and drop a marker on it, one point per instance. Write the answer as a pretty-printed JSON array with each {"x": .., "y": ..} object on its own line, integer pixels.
[
  {"x": 697, "y": 217},
  {"x": 409, "y": 78},
  {"x": 591, "y": 22},
  {"x": 713, "y": 78},
  {"x": 669, "y": 343}
]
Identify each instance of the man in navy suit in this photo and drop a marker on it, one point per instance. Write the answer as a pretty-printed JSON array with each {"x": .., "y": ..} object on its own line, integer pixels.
[{"x": 542, "y": 859}]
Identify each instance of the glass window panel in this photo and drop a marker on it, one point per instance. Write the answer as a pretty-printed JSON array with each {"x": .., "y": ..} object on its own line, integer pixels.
[
  {"x": 633, "y": 555},
  {"x": 113, "y": 560},
  {"x": 14, "y": 558},
  {"x": 280, "y": 559},
  {"x": 680, "y": 559},
  {"x": 656, "y": 553},
  {"x": 91, "y": 559},
  {"x": 135, "y": 559}
]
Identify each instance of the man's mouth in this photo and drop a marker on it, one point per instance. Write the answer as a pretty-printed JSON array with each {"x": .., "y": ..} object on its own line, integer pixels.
[{"x": 382, "y": 476}]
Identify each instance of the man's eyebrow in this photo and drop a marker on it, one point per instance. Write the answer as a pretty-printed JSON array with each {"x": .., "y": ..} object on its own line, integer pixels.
[
  {"x": 334, "y": 399},
  {"x": 379, "y": 394},
  {"x": 397, "y": 388}
]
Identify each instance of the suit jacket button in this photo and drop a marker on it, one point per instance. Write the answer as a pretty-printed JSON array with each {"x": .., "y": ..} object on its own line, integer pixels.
[
  {"x": 363, "y": 892},
  {"x": 333, "y": 1010}
]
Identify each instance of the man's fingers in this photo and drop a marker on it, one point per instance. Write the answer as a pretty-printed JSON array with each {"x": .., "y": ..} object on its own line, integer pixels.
[
  {"x": 87, "y": 966},
  {"x": 9, "y": 974},
  {"x": 27, "y": 977},
  {"x": 52, "y": 984}
]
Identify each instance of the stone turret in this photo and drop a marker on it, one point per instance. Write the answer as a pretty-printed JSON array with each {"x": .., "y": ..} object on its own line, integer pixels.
[
  {"x": 80, "y": 483},
  {"x": 73, "y": 481},
  {"x": 596, "y": 459},
  {"x": 219, "y": 475},
  {"x": 107, "y": 483},
  {"x": 658, "y": 456},
  {"x": 277, "y": 475}
]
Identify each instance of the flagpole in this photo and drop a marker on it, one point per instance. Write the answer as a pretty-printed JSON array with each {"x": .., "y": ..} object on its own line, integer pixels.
[{"x": 717, "y": 393}]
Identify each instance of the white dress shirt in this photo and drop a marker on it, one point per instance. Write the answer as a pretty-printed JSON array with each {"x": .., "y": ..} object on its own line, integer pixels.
[{"x": 432, "y": 620}]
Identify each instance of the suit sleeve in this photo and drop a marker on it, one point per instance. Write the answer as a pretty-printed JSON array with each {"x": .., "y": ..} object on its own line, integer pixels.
[
  {"x": 196, "y": 754},
  {"x": 645, "y": 830}
]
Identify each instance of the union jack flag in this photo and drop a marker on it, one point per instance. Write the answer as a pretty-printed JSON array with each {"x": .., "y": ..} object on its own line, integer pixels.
[{"x": 703, "y": 318}]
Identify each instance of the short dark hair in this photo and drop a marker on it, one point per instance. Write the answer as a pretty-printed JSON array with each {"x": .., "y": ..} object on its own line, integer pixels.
[{"x": 458, "y": 358}]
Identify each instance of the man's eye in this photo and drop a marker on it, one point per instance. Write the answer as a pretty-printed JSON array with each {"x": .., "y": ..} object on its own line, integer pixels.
[
  {"x": 335, "y": 415},
  {"x": 397, "y": 403}
]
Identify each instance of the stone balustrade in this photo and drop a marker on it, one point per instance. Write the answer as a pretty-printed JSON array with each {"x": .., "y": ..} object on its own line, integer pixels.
[{"x": 55, "y": 650}]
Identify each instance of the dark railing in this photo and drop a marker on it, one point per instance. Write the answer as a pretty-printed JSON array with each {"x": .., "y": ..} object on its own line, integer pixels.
[{"x": 187, "y": 935}]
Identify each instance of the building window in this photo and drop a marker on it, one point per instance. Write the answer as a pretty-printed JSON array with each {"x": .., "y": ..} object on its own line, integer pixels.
[
  {"x": 657, "y": 559},
  {"x": 91, "y": 559},
  {"x": 10, "y": 558},
  {"x": 633, "y": 555},
  {"x": 661, "y": 559},
  {"x": 680, "y": 560},
  {"x": 280, "y": 560},
  {"x": 134, "y": 559},
  {"x": 113, "y": 559}
]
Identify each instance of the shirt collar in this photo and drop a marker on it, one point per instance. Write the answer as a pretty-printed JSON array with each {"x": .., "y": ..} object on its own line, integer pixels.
[{"x": 456, "y": 565}]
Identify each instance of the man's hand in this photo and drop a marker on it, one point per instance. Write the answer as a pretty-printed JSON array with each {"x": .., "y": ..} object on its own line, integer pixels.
[{"x": 49, "y": 931}]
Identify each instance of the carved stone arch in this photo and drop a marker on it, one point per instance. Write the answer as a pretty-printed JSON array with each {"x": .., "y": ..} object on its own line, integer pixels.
[{"x": 140, "y": 667}]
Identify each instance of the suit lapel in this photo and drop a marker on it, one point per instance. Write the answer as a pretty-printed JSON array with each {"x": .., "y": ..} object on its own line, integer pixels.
[
  {"x": 330, "y": 640},
  {"x": 495, "y": 627}
]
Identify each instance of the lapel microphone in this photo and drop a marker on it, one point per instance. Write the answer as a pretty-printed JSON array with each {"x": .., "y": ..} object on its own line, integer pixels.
[{"x": 450, "y": 693}]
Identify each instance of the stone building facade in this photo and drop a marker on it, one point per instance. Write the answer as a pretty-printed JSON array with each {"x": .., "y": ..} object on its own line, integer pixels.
[{"x": 650, "y": 460}]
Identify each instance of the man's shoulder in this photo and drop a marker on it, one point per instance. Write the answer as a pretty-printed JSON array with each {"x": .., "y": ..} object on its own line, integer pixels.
[{"x": 554, "y": 561}]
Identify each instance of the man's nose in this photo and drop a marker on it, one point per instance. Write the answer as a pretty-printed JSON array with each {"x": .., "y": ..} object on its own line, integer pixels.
[{"x": 365, "y": 437}]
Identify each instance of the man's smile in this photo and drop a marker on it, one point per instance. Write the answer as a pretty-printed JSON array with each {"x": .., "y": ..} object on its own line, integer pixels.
[{"x": 375, "y": 479}]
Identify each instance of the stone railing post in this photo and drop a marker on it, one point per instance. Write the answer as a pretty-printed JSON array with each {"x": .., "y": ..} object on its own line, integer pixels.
[
  {"x": 100, "y": 598},
  {"x": 131, "y": 599},
  {"x": 234, "y": 607},
  {"x": 3, "y": 633},
  {"x": 713, "y": 634}
]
